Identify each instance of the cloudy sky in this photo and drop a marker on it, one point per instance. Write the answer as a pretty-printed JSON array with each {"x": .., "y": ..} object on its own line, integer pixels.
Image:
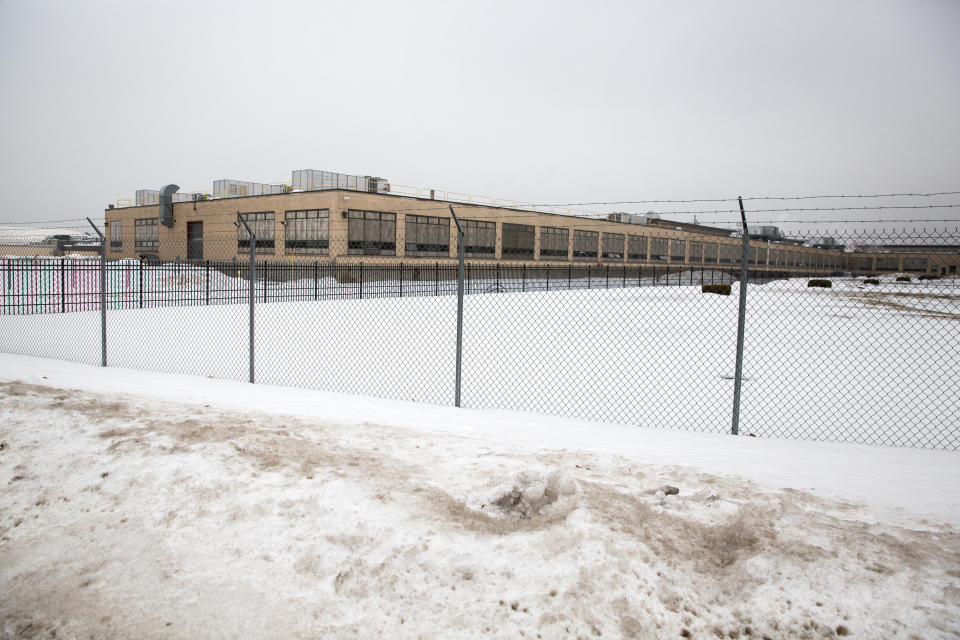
[{"x": 548, "y": 102}]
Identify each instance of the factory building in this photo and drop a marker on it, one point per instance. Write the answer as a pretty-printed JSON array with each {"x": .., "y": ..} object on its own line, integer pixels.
[{"x": 331, "y": 217}]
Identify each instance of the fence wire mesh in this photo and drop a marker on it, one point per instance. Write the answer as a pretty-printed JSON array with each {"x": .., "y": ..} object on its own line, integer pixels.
[{"x": 873, "y": 357}]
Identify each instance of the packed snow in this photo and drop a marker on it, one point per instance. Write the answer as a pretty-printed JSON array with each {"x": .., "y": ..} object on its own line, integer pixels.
[{"x": 136, "y": 504}]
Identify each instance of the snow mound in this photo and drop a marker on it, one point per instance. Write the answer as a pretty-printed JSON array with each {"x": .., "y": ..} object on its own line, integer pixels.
[{"x": 528, "y": 493}]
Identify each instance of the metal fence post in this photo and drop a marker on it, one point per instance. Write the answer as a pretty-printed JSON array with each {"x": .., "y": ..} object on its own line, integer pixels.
[
  {"x": 253, "y": 287},
  {"x": 741, "y": 320},
  {"x": 208, "y": 282},
  {"x": 361, "y": 280},
  {"x": 456, "y": 395},
  {"x": 103, "y": 294},
  {"x": 63, "y": 286},
  {"x": 316, "y": 280}
]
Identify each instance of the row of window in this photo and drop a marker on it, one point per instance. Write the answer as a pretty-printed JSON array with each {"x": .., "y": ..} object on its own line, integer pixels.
[{"x": 374, "y": 233}]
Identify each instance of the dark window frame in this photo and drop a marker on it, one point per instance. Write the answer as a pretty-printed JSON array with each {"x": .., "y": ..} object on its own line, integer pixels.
[
  {"x": 263, "y": 226},
  {"x": 680, "y": 257},
  {"x": 421, "y": 228},
  {"x": 610, "y": 249},
  {"x": 116, "y": 235},
  {"x": 523, "y": 234},
  {"x": 589, "y": 238},
  {"x": 659, "y": 249},
  {"x": 475, "y": 231},
  {"x": 548, "y": 237},
  {"x": 146, "y": 234},
  {"x": 632, "y": 254},
  {"x": 297, "y": 223},
  {"x": 360, "y": 235}
]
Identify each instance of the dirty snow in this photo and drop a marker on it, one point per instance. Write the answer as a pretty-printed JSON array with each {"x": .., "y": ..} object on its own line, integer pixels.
[{"x": 149, "y": 505}]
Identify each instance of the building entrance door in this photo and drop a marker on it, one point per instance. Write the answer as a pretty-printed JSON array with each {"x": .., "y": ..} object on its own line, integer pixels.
[{"x": 194, "y": 241}]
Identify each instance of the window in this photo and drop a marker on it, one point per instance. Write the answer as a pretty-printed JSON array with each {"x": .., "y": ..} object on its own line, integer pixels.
[
  {"x": 427, "y": 236},
  {"x": 888, "y": 264},
  {"x": 116, "y": 236},
  {"x": 371, "y": 233},
  {"x": 914, "y": 264},
  {"x": 637, "y": 248},
  {"x": 145, "y": 236},
  {"x": 613, "y": 246},
  {"x": 517, "y": 241},
  {"x": 752, "y": 255},
  {"x": 762, "y": 255},
  {"x": 479, "y": 238},
  {"x": 678, "y": 250},
  {"x": 554, "y": 243},
  {"x": 710, "y": 252},
  {"x": 585, "y": 245},
  {"x": 307, "y": 231},
  {"x": 696, "y": 252},
  {"x": 261, "y": 224},
  {"x": 726, "y": 254},
  {"x": 793, "y": 258},
  {"x": 658, "y": 249}
]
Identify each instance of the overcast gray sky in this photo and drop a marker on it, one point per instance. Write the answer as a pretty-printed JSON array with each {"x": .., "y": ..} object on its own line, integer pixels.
[{"x": 548, "y": 102}]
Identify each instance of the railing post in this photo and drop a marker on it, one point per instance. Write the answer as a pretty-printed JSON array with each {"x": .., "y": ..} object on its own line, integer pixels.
[
  {"x": 361, "y": 280},
  {"x": 63, "y": 286},
  {"x": 103, "y": 294},
  {"x": 741, "y": 321},
  {"x": 569, "y": 276},
  {"x": 524, "y": 278},
  {"x": 436, "y": 278},
  {"x": 265, "y": 278},
  {"x": 401, "y": 279},
  {"x": 316, "y": 280},
  {"x": 589, "y": 276},
  {"x": 548, "y": 277},
  {"x": 208, "y": 282},
  {"x": 608, "y": 276}
]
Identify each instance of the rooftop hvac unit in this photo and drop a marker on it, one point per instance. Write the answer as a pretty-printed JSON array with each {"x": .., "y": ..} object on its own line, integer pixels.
[
  {"x": 768, "y": 232},
  {"x": 628, "y": 218},
  {"x": 146, "y": 196}
]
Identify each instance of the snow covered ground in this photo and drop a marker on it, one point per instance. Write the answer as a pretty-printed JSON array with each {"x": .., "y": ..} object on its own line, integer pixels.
[
  {"x": 151, "y": 505},
  {"x": 856, "y": 363}
]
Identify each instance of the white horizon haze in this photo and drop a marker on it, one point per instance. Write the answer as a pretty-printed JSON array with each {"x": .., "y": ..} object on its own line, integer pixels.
[{"x": 542, "y": 102}]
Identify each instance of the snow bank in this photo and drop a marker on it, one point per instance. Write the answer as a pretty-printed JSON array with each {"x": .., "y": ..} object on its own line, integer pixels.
[{"x": 148, "y": 505}]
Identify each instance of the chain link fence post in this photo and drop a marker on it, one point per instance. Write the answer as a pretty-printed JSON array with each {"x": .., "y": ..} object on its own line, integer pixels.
[
  {"x": 741, "y": 322},
  {"x": 459, "y": 305},
  {"x": 253, "y": 286},
  {"x": 103, "y": 294}
]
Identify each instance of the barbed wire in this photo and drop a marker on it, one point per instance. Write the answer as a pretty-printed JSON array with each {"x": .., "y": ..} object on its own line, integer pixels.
[{"x": 748, "y": 198}]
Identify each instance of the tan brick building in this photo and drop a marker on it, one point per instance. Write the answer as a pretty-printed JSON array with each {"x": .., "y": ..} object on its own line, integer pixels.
[{"x": 344, "y": 225}]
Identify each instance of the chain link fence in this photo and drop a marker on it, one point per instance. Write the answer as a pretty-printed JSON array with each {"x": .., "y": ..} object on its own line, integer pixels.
[{"x": 872, "y": 356}]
